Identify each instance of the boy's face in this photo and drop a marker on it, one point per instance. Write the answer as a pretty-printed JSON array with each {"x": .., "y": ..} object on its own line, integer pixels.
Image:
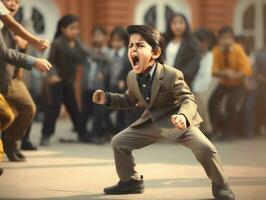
[
  {"x": 12, "y": 5},
  {"x": 226, "y": 40},
  {"x": 140, "y": 53}
]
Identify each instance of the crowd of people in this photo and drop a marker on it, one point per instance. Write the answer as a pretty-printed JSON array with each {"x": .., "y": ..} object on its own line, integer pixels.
[{"x": 227, "y": 80}]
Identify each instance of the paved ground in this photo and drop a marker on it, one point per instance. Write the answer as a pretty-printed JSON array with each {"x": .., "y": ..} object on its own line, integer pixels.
[{"x": 79, "y": 172}]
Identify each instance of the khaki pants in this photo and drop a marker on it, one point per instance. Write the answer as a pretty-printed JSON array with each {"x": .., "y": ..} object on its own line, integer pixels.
[
  {"x": 6, "y": 118},
  {"x": 138, "y": 137},
  {"x": 202, "y": 99},
  {"x": 20, "y": 99}
]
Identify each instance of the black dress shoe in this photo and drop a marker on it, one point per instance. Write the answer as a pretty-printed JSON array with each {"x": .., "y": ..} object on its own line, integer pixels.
[
  {"x": 129, "y": 187},
  {"x": 222, "y": 192},
  {"x": 1, "y": 171},
  {"x": 10, "y": 149},
  {"x": 28, "y": 146},
  {"x": 13, "y": 157}
]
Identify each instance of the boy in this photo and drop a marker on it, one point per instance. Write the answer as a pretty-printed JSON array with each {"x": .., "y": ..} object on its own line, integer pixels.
[
  {"x": 231, "y": 66},
  {"x": 170, "y": 111}
]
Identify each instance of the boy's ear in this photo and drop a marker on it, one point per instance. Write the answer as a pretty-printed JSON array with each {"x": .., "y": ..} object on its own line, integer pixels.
[{"x": 156, "y": 53}]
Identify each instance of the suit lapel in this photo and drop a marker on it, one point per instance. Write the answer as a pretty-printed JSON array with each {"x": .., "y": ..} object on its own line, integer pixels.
[{"x": 158, "y": 76}]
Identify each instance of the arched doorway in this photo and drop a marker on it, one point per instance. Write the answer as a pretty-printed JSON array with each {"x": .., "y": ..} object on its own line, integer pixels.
[{"x": 157, "y": 12}]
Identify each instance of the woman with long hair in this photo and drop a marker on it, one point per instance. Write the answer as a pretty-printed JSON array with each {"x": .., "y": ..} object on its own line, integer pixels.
[{"x": 182, "y": 49}]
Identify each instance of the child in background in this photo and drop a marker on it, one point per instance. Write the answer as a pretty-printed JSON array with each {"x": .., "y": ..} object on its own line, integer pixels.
[
  {"x": 96, "y": 74},
  {"x": 203, "y": 80},
  {"x": 66, "y": 54},
  {"x": 120, "y": 67},
  {"x": 231, "y": 66}
]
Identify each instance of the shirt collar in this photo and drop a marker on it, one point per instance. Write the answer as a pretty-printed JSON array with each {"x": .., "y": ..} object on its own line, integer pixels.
[
  {"x": 152, "y": 70},
  {"x": 150, "y": 74}
]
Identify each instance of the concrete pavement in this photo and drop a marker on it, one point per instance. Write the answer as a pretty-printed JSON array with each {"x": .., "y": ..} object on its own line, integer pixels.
[{"x": 80, "y": 171}]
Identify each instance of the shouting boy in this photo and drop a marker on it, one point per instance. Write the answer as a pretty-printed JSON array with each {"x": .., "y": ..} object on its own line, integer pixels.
[{"x": 170, "y": 112}]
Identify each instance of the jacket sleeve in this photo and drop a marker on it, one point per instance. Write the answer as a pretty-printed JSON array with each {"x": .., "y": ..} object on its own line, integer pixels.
[
  {"x": 13, "y": 57},
  {"x": 182, "y": 94},
  {"x": 122, "y": 101}
]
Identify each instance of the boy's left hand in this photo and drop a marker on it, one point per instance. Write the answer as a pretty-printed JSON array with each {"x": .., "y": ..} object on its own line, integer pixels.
[{"x": 179, "y": 121}]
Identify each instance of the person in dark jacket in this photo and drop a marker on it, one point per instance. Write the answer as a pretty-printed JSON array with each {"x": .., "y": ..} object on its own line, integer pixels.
[
  {"x": 182, "y": 49},
  {"x": 66, "y": 54}
]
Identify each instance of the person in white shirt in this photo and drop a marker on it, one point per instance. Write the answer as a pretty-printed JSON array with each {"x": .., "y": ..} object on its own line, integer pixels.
[
  {"x": 182, "y": 49},
  {"x": 203, "y": 81}
]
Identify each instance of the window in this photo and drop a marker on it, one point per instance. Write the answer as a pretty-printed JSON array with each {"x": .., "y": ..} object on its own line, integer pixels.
[
  {"x": 250, "y": 21},
  {"x": 38, "y": 16},
  {"x": 157, "y": 12}
]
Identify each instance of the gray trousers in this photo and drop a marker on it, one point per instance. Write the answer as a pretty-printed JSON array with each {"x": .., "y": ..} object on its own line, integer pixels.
[{"x": 138, "y": 137}]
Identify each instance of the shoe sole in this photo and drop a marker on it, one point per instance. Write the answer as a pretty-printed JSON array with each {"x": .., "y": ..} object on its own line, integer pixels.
[{"x": 137, "y": 191}]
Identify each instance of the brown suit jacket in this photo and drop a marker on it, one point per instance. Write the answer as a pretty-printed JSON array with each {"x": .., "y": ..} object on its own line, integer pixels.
[{"x": 170, "y": 95}]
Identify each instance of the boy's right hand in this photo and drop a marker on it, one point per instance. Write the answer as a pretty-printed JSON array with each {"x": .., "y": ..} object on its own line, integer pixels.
[
  {"x": 99, "y": 97},
  {"x": 42, "y": 65}
]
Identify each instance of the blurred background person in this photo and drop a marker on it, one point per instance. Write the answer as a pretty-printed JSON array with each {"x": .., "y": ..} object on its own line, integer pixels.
[
  {"x": 95, "y": 73},
  {"x": 120, "y": 66},
  {"x": 16, "y": 42},
  {"x": 15, "y": 92},
  {"x": 203, "y": 79},
  {"x": 182, "y": 49},
  {"x": 66, "y": 54},
  {"x": 231, "y": 66},
  {"x": 248, "y": 108},
  {"x": 260, "y": 63}
]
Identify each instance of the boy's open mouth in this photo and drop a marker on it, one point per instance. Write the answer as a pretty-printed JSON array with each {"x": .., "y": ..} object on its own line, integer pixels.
[{"x": 135, "y": 60}]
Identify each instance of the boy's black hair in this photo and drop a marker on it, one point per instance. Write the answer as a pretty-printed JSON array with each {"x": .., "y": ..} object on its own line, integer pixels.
[
  {"x": 224, "y": 30},
  {"x": 121, "y": 33},
  {"x": 152, "y": 36},
  {"x": 204, "y": 34}
]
